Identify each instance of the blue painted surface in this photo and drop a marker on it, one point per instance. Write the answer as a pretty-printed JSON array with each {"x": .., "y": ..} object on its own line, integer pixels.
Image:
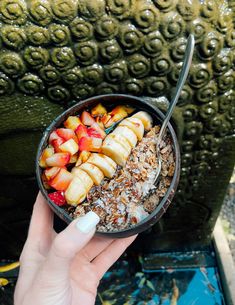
[{"x": 191, "y": 286}]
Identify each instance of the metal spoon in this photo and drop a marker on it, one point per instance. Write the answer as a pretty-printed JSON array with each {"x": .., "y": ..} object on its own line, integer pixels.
[{"x": 181, "y": 81}]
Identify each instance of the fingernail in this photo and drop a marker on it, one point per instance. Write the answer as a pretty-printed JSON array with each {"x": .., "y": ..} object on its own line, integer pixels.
[{"x": 88, "y": 222}]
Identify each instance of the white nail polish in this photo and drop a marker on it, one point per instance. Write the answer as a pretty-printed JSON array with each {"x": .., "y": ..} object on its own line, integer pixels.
[{"x": 88, "y": 222}]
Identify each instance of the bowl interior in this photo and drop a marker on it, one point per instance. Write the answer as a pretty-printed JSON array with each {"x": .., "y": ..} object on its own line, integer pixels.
[{"x": 109, "y": 101}]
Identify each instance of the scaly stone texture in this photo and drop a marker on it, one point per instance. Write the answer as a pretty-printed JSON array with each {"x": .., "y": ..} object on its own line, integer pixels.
[{"x": 54, "y": 53}]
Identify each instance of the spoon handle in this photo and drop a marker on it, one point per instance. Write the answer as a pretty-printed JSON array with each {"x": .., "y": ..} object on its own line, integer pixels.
[{"x": 180, "y": 83}]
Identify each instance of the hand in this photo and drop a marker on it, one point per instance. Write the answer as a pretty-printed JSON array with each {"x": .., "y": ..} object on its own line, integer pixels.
[{"x": 64, "y": 268}]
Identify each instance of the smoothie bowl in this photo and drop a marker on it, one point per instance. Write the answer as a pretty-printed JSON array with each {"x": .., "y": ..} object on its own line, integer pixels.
[{"x": 100, "y": 155}]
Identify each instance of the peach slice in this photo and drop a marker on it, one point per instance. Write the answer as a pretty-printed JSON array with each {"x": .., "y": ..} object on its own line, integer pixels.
[
  {"x": 51, "y": 172},
  {"x": 69, "y": 146},
  {"x": 90, "y": 144},
  {"x": 58, "y": 159},
  {"x": 83, "y": 157},
  {"x": 98, "y": 110},
  {"x": 72, "y": 122},
  {"x": 47, "y": 152},
  {"x": 61, "y": 181},
  {"x": 87, "y": 119}
]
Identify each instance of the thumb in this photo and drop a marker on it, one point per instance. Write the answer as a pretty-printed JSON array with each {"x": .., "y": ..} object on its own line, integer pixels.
[{"x": 67, "y": 244}]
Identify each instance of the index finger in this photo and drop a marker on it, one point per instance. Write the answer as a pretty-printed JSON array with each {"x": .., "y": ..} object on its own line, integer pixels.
[{"x": 41, "y": 220}]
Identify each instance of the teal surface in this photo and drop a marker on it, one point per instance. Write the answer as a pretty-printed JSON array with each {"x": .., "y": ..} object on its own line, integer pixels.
[{"x": 190, "y": 286}]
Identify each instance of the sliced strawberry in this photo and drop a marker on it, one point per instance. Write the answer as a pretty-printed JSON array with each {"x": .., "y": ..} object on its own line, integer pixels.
[
  {"x": 72, "y": 122},
  {"x": 81, "y": 131},
  {"x": 57, "y": 198},
  {"x": 47, "y": 152},
  {"x": 58, "y": 159},
  {"x": 87, "y": 119},
  {"x": 66, "y": 134},
  {"x": 56, "y": 144},
  {"x": 61, "y": 181},
  {"x": 83, "y": 157},
  {"x": 51, "y": 172},
  {"x": 98, "y": 110},
  {"x": 90, "y": 144},
  {"x": 93, "y": 133},
  {"x": 69, "y": 146},
  {"x": 54, "y": 136},
  {"x": 96, "y": 131}
]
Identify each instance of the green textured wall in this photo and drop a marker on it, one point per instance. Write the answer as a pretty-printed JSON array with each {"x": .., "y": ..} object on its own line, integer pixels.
[{"x": 54, "y": 53}]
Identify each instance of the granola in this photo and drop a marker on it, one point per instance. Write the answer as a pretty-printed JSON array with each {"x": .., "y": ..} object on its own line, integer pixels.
[{"x": 124, "y": 200}]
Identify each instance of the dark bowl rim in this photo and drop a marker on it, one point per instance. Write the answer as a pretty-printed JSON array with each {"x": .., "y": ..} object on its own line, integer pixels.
[{"x": 163, "y": 204}]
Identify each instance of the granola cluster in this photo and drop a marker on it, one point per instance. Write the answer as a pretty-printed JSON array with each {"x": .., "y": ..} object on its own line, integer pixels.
[{"x": 125, "y": 200}]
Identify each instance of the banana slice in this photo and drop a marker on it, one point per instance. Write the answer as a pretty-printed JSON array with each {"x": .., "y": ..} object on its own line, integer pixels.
[
  {"x": 145, "y": 118},
  {"x": 110, "y": 161},
  {"x": 76, "y": 192},
  {"x": 104, "y": 163},
  {"x": 115, "y": 151},
  {"x": 93, "y": 171},
  {"x": 135, "y": 125},
  {"x": 82, "y": 175},
  {"x": 127, "y": 133},
  {"x": 120, "y": 139}
]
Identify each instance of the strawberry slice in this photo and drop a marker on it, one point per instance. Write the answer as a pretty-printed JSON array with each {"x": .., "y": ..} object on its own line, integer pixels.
[
  {"x": 61, "y": 181},
  {"x": 51, "y": 172},
  {"x": 54, "y": 136},
  {"x": 90, "y": 144},
  {"x": 93, "y": 133},
  {"x": 81, "y": 131},
  {"x": 47, "y": 152},
  {"x": 56, "y": 144},
  {"x": 58, "y": 159},
  {"x": 57, "y": 198},
  {"x": 66, "y": 134},
  {"x": 87, "y": 119},
  {"x": 72, "y": 122},
  {"x": 96, "y": 131}
]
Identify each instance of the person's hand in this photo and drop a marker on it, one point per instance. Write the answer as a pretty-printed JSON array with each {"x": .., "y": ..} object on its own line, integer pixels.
[{"x": 64, "y": 268}]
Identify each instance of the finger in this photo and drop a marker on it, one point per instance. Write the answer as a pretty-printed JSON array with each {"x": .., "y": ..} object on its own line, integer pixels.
[
  {"x": 109, "y": 256},
  {"x": 66, "y": 245},
  {"x": 41, "y": 231},
  {"x": 38, "y": 237},
  {"x": 95, "y": 247},
  {"x": 42, "y": 218}
]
